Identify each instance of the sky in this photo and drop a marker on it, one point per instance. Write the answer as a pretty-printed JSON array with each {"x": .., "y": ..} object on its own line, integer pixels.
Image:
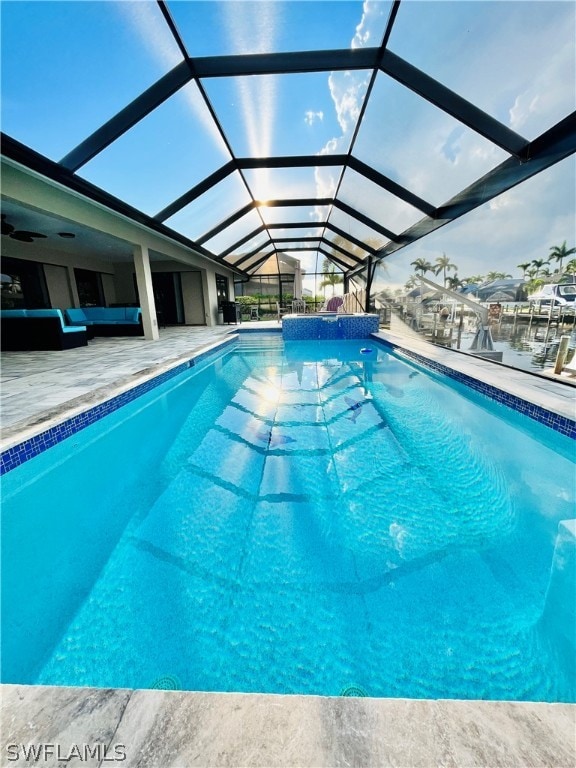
[{"x": 85, "y": 61}]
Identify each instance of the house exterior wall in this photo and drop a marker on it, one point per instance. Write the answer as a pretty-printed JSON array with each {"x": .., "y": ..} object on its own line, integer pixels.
[
  {"x": 109, "y": 288},
  {"x": 58, "y": 285},
  {"x": 193, "y": 299},
  {"x": 124, "y": 283}
]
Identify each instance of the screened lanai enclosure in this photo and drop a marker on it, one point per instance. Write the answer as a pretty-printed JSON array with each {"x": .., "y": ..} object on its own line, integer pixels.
[{"x": 365, "y": 142}]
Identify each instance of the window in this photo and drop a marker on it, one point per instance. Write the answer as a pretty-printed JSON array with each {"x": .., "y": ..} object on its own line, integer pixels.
[
  {"x": 23, "y": 285},
  {"x": 89, "y": 285}
]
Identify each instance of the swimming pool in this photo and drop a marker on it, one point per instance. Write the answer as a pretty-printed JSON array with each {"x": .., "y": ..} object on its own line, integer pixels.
[{"x": 309, "y": 518}]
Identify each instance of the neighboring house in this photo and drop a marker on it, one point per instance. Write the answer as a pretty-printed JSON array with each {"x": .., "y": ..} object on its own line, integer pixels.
[{"x": 505, "y": 289}]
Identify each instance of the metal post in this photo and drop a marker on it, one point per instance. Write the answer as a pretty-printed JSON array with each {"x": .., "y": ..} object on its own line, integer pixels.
[
  {"x": 369, "y": 277},
  {"x": 460, "y": 326},
  {"x": 548, "y": 324}
]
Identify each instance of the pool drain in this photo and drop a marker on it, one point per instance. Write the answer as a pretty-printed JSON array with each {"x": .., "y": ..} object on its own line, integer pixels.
[
  {"x": 353, "y": 690},
  {"x": 167, "y": 683}
]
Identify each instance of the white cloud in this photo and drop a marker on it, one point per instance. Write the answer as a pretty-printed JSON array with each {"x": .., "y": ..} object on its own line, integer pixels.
[
  {"x": 362, "y": 35},
  {"x": 523, "y": 107},
  {"x": 326, "y": 180},
  {"x": 371, "y": 13},
  {"x": 310, "y": 116},
  {"x": 347, "y": 90},
  {"x": 549, "y": 95},
  {"x": 333, "y": 147}
]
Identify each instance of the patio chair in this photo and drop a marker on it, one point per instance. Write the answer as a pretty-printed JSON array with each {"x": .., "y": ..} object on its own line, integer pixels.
[
  {"x": 299, "y": 306},
  {"x": 334, "y": 304},
  {"x": 281, "y": 311}
]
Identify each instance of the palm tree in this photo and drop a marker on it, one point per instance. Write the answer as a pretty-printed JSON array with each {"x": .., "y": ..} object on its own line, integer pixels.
[
  {"x": 570, "y": 268},
  {"x": 491, "y": 276},
  {"x": 533, "y": 285},
  {"x": 454, "y": 282},
  {"x": 411, "y": 283},
  {"x": 421, "y": 265},
  {"x": 560, "y": 252},
  {"x": 444, "y": 265},
  {"x": 476, "y": 279},
  {"x": 539, "y": 263},
  {"x": 331, "y": 277},
  {"x": 524, "y": 267}
]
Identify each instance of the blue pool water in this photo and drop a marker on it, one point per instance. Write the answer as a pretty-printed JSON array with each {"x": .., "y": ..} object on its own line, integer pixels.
[{"x": 315, "y": 519}]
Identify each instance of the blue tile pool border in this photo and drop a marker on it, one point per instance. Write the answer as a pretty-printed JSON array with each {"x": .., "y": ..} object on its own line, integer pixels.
[
  {"x": 255, "y": 329},
  {"x": 18, "y": 454},
  {"x": 328, "y": 327},
  {"x": 555, "y": 421}
]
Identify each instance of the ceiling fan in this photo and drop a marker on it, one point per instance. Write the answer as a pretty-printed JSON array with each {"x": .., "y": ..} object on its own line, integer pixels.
[{"x": 18, "y": 234}]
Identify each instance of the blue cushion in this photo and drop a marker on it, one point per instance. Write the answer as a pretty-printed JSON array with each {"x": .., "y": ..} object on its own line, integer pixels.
[
  {"x": 45, "y": 313},
  {"x": 111, "y": 315},
  {"x": 42, "y": 313},
  {"x": 103, "y": 314},
  {"x": 74, "y": 315},
  {"x": 13, "y": 313},
  {"x": 133, "y": 314}
]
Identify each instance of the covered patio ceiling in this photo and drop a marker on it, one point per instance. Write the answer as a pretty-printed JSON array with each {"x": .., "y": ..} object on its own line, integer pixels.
[{"x": 225, "y": 143}]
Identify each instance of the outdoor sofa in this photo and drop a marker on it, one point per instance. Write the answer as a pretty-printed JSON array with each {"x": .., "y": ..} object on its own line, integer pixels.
[
  {"x": 35, "y": 329},
  {"x": 107, "y": 321}
]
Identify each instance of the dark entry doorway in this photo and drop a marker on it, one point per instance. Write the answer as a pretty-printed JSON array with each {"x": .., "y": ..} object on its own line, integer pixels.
[
  {"x": 168, "y": 297},
  {"x": 89, "y": 286}
]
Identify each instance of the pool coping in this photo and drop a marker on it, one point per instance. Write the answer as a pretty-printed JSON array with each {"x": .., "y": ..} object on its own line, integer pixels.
[
  {"x": 24, "y": 441},
  {"x": 177, "y": 729}
]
